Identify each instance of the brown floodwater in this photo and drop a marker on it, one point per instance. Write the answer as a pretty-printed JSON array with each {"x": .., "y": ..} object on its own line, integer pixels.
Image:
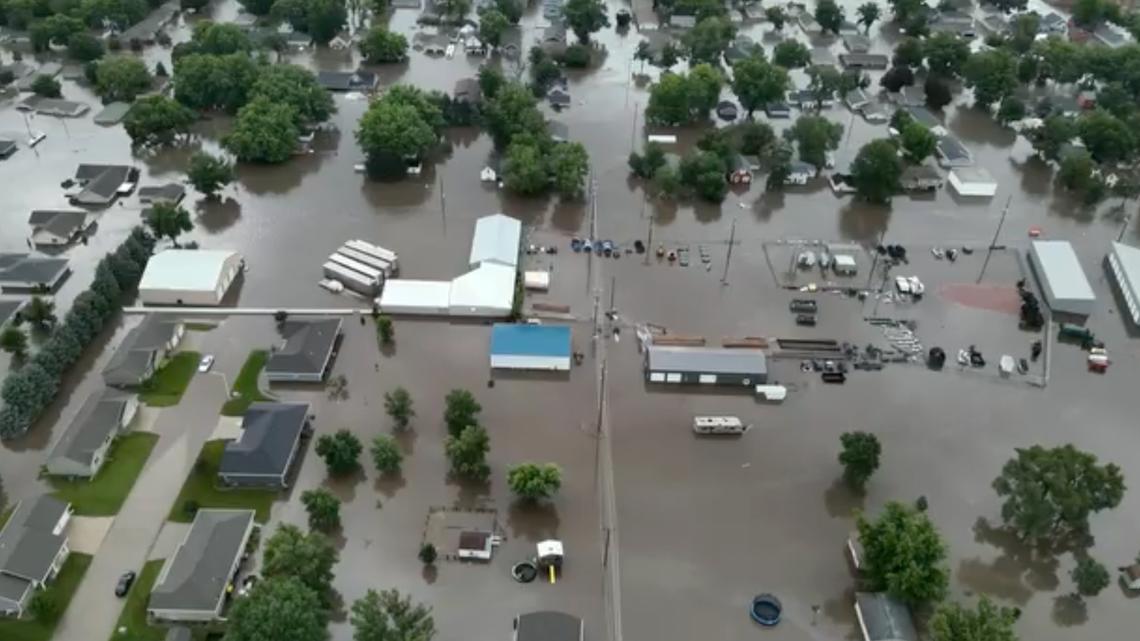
[{"x": 704, "y": 525}]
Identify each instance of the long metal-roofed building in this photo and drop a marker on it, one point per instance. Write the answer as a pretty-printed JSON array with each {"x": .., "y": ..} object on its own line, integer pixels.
[
  {"x": 1062, "y": 280},
  {"x": 1124, "y": 265},
  {"x": 705, "y": 365},
  {"x": 535, "y": 347}
]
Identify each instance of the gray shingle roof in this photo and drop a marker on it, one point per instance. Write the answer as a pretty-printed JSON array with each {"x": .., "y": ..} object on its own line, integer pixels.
[
  {"x": 549, "y": 625},
  {"x": 707, "y": 359},
  {"x": 13, "y": 588},
  {"x": 308, "y": 344},
  {"x": 196, "y": 577},
  {"x": 8, "y": 309},
  {"x": 135, "y": 355},
  {"x": 170, "y": 192},
  {"x": 99, "y": 417},
  {"x": 102, "y": 187},
  {"x": 269, "y": 435},
  {"x": 884, "y": 618},
  {"x": 25, "y": 268},
  {"x": 27, "y": 544},
  {"x": 62, "y": 223}
]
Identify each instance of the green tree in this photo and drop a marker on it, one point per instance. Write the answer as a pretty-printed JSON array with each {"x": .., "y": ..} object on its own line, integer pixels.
[
  {"x": 569, "y": 166},
  {"x": 904, "y": 10},
  {"x": 388, "y": 616},
  {"x": 1049, "y": 493},
  {"x": 704, "y": 82},
  {"x": 167, "y": 220},
  {"x": 84, "y": 47},
  {"x": 918, "y": 143},
  {"x": 1011, "y": 109},
  {"x": 386, "y": 455},
  {"x": 986, "y": 622},
  {"x": 381, "y": 46},
  {"x": 265, "y": 132},
  {"x": 896, "y": 78},
  {"x": 398, "y": 405},
  {"x": 1089, "y": 13},
  {"x": 776, "y": 16},
  {"x": 524, "y": 169},
  {"x": 814, "y": 137},
  {"x": 909, "y": 52},
  {"x": 39, "y": 312},
  {"x": 1052, "y": 136},
  {"x": 511, "y": 112},
  {"x": 468, "y": 453},
  {"x": 791, "y": 54},
  {"x": 757, "y": 83},
  {"x": 47, "y": 87},
  {"x": 512, "y": 9},
  {"x": 643, "y": 53},
  {"x": 534, "y": 481},
  {"x": 121, "y": 78},
  {"x": 859, "y": 457},
  {"x": 1009, "y": 6},
  {"x": 209, "y": 173},
  {"x": 669, "y": 101},
  {"x": 1023, "y": 31},
  {"x": 396, "y": 129},
  {"x": 295, "y": 87},
  {"x": 829, "y": 15},
  {"x": 876, "y": 171},
  {"x": 1090, "y": 576},
  {"x": 492, "y": 25},
  {"x": 670, "y": 55},
  {"x": 308, "y": 557},
  {"x": 756, "y": 138},
  {"x": 214, "y": 82},
  {"x": 427, "y": 554},
  {"x": 781, "y": 168},
  {"x": 585, "y": 17},
  {"x": 946, "y": 54},
  {"x": 341, "y": 452},
  {"x": 45, "y": 606},
  {"x": 386, "y": 330},
  {"x": 704, "y": 172},
  {"x": 667, "y": 180},
  {"x": 937, "y": 91},
  {"x": 646, "y": 165},
  {"x": 1108, "y": 139},
  {"x": 323, "y": 509},
  {"x": 490, "y": 81},
  {"x": 55, "y": 29},
  {"x": 868, "y": 13},
  {"x": 220, "y": 38},
  {"x": 904, "y": 555},
  {"x": 992, "y": 74},
  {"x": 282, "y": 609},
  {"x": 707, "y": 41},
  {"x": 824, "y": 82},
  {"x": 455, "y": 9},
  {"x": 156, "y": 121},
  {"x": 321, "y": 19},
  {"x": 15, "y": 342},
  {"x": 460, "y": 410}
]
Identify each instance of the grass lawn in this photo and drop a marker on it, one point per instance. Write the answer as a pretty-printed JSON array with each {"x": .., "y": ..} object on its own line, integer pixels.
[
  {"x": 104, "y": 495},
  {"x": 166, "y": 387},
  {"x": 63, "y": 588},
  {"x": 200, "y": 327},
  {"x": 133, "y": 617},
  {"x": 245, "y": 385},
  {"x": 201, "y": 486}
]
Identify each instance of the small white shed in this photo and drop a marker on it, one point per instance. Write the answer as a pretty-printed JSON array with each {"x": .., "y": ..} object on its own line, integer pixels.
[
  {"x": 845, "y": 264},
  {"x": 537, "y": 280},
  {"x": 973, "y": 182}
]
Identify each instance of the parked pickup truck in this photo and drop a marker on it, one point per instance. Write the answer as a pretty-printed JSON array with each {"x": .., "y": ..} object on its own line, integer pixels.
[{"x": 803, "y": 306}]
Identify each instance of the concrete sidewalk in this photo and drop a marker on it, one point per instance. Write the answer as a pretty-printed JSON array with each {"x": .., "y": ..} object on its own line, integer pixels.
[{"x": 182, "y": 430}]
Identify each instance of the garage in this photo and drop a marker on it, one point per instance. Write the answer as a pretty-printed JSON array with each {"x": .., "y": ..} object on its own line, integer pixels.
[
  {"x": 196, "y": 277},
  {"x": 705, "y": 365}
]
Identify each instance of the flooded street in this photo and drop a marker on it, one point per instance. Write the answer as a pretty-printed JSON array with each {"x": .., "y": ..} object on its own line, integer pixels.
[{"x": 703, "y": 525}]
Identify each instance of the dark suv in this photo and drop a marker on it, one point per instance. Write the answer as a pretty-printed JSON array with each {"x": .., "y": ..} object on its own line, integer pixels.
[{"x": 124, "y": 584}]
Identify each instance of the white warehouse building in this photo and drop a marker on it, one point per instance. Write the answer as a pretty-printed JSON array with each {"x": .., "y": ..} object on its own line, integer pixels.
[
  {"x": 1124, "y": 265},
  {"x": 194, "y": 277},
  {"x": 1061, "y": 278}
]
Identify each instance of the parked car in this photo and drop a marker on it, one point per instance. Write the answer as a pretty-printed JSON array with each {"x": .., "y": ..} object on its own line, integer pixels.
[
  {"x": 803, "y": 306},
  {"x": 806, "y": 320},
  {"x": 125, "y": 583},
  {"x": 206, "y": 363}
]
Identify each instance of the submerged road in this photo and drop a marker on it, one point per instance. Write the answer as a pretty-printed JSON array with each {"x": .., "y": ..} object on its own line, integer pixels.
[{"x": 182, "y": 430}]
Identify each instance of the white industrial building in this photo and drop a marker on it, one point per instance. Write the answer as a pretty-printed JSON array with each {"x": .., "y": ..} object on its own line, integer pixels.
[
  {"x": 497, "y": 239},
  {"x": 973, "y": 181},
  {"x": 1061, "y": 278},
  {"x": 197, "y": 277},
  {"x": 487, "y": 291},
  {"x": 1124, "y": 265}
]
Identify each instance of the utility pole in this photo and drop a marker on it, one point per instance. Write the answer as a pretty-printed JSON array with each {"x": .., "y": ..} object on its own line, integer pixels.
[
  {"x": 442, "y": 199},
  {"x": 613, "y": 292},
  {"x": 1124, "y": 227},
  {"x": 997, "y": 231},
  {"x": 649, "y": 244},
  {"x": 728, "y": 258}
]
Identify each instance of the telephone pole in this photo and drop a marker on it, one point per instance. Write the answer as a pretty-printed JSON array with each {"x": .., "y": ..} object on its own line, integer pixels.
[
  {"x": 728, "y": 258},
  {"x": 997, "y": 232}
]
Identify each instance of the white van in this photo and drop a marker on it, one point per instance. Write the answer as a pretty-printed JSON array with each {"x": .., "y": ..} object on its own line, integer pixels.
[{"x": 719, "y": 425}]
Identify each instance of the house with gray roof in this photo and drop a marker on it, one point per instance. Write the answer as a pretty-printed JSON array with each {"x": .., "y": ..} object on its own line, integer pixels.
[
  {"x": 857, "y": 43},
  {"x": 55, "y": 228},
  {"x": 7, "y": 148},
  {"x": 82, "y": 449},
  {"x": 99, "y": 185},
  {"x": 57, "y": 107},
  {"x": 9, "y": 309},
  {"x": 29, "y": 273},
  {"x": 864, "y": 60},
  {"x": 171, "y": 193},
  {"x": 307, "y": 351},
  {"x": 112, "y": 114},
  {"x": 266, "y": 450},
  {"x": 193, "y": 583},
  {"x": 143, "y": 351},
  {"x": 33, "y": 548},
  {"x": 952, "y": 153},
  {"x": 883, "y": 618}
]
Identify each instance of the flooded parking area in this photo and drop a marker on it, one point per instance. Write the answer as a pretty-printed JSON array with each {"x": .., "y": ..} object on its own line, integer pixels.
[{"x": 699, "y": 526}]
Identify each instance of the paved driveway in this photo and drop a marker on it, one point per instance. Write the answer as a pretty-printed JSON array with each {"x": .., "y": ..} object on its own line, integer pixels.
[
  {"x": 182, "y": 430},
  {"x": 86, "y": 533}
]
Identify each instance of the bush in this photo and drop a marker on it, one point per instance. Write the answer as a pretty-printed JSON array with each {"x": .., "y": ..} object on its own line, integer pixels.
[
  {"x": 190, "y": 506},
  {"x": 576, "y": 56},
  {"x": 427, "y": 554}
]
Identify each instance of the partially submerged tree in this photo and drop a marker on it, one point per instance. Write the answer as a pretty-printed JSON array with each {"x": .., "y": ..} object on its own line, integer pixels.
[
  {"x": 308, "y": 557},
  {"x": 1050, "y": 493},
  {"x": 791, "y": 54},
  {"x": 876, "y": 171},
  {"x": 121, "y": 78},
  {"x": 167, "y": 220},
  {"x": 1089, "y": 576},
  {"x": 15, "y": 342},
  {"x": 467, "y": 453},
  {"x": 341, "y": 452},
  {"x": 208, "y": 173},
  {"x": 757, "y": 83},
  {"x": 386, "y": 455},
  {"x": 389, "y": 616},
  {"x": 868, "y": 13},
  {"x": 829, "y": 15},
  {"x": 904, "y": 555},
  {"x": 282, "y": 609},
  {"x": 775, "y": 15},
  {"x": 323, "y": 509},
  {"x": 814, "y": 137},
  {"x": 708, "y": 40},
  {"x": 156, "y": 121},
  {"x": 265, "y": 132},
  {"x": 859, "y": 457},
  {"x": 382, "y": 46},
  {"x": 918, "y": 143},
  {"x": 460, "y": 411},
  {"x": 534, "y": 481},
  {"x": 398, "y": 405},
  {"x": 584, "y": 17},
  {"x": 992, "y": 74},
  {"x": 986, "y": 622}
]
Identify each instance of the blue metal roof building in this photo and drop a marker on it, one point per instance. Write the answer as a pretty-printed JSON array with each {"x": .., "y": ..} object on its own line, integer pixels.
[{"x": 542, "y": 347}]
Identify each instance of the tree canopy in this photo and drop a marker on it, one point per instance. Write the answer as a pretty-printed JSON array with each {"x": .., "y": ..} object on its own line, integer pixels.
[
  {"x": 876, "y": 171},
  {"x": 209, "y": 173},
  {"x": 386, "y": 455},
  {"x": 945, "y": 54},
  {"x": 1089, "y": 576},
  {"x": 678, "y": 99},
  {"x": 207, "y": 82},
  {"x": 307, "y": 557},
  {"x": 859, "y": 457},
  {"x": 323, "y": 509},
  {"x": 992, "y": 74},
  {"x": 534, "y": 480},
  {"x": 380, "y": 46},
  {"x": 295, "y": 87},
  {"x": 814, "y": 137},
  {"x": 321, "y": 19},
  {"x": 829, "y": 15},
  {"x": 467, "y": 453},
  {"x": 341, "y": 452},
  {"x": 585, "y": 17},
  {"x": 121, "y": 78},
  {"x": 167, "y": 220},
  {"x": 868, "y": 13},
  {"x": 1049, "y": 493},
  {"x": 985, "y": 622},
  {"x": 388, "y": 616},
  {"x": 156, "y": 121},
  {"x": 278, "y": 608},
  {"x": 460, "y": 410},
  {"x": 757, "y": 83},
  {"x": 707, "y": 41},
  {"x": 1108, "y": 139},
  {"x": 918, "y": 143},
  {"x": 265, "y": 132},
  {"x": 904, "y": 555},
  {"x": 791, "y": 54}
]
